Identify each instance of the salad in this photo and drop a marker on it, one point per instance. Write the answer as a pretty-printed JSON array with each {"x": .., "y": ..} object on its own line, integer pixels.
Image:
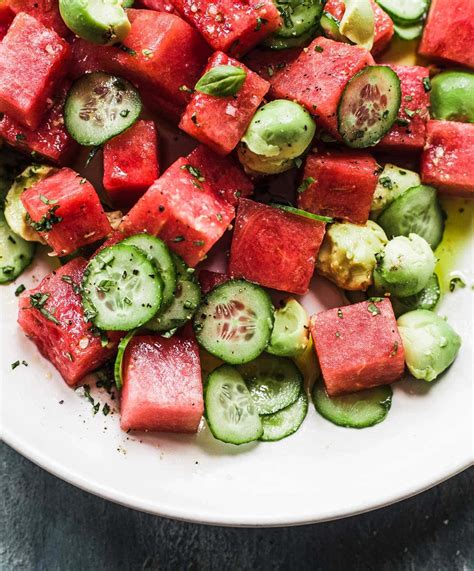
[{"x": 276, "y": 90}]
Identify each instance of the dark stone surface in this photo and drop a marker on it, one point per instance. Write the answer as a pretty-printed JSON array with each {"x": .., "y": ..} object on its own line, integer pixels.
[{"x": 50, "y": 525}]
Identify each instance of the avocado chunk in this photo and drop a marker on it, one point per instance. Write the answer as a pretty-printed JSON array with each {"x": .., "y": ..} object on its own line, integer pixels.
[
  {"x": 290, "y": 335},
  {"x": 357, "y": 23},
  {"x": 452, "y": 96}
]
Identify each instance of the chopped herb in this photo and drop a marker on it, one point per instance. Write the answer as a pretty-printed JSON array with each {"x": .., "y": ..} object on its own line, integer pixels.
[
  {"x": 46, "y": 200},
  {"x": 373, "y": 309},
  {"x": 96, "y": 407},
  {"x": 386, "y": 182},
  {"x": 91, "y": 155},
  {"x": 394, "y": 350},
  {"x": 298, "y": 163},
  {"x": 337, "y": 334},
  {"x": 96, "y": 332},
  {"x": 127, "y": 301},
  {"x": 147, "y": 53},
  {"x": 198, "y": 243},
  {"x": 127, "y": 50},
  {"x": 270, "y": 71},
  {"x": 260, "y": 22},
  {"x": 402, "y": 122},
  {"x": 19, "y": 290},
  {"x": 194, "y": 171},
  {"x": 20, "y": 137},
  {"x": 307, "y": 182},
  {"x": 37, "y": 301},
  {"x": 125, "y": 113},
  {"x": 408, "y": 98},
  {"x": 186, "y": 89},
  {"x": 456, "y": 282},
  {"x": 105, "y": 285},
  {"x": 76, "y": 288},
  {"x": 15, "y": 365},
  {"x": 178, "y": 239},
  {"x": 24, "y": 363},
  {"x": 409, "y": 112},
  {"x": 340, "y": 314},
  {"x": 319, "y": 49},
  {"x": 219, "y": 217},
  {"x": 46, "y": 222},
  {"x": 105, "y": 409},
  {"x": 426, "y": 83}
]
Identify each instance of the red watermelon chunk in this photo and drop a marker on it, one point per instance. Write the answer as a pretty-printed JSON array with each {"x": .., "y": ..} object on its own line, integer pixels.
[
  {"x": 67, "y": 206},
  {"x": 270, "y": 64},
  {"x": 223, "y": 173},
  {"x": 448, "y": 158},
  {"x": 6, "y": 18},
  {"x": 382, "y": 23},
  {"x": 209, "y": 280},
  {"x": 58, "y": 327},
  {"x": 358, "y": 346},
  {"x": 274, "y": 248},
  {"x": 131, "y": 163},
  {"x": 317, "y": 78},
  {"x": 182, "y": 209},
  {"x": 158, "y": 5},
  {"x": 232, "y": 26},
  {"x": 343, "y": 187},
  {"x": 449, "y": 32},
  {"x": 162, "y": 387},
  {"x": 220, "y": 122},
  {"x": 50, "y": 140},
  {"x": 409, "y": 131},
  {"x": 32, "y": 60},
  {"x": 46, "y": 11}
]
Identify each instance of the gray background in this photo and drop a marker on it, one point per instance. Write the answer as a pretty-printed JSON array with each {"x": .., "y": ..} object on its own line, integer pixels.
[{"x": 49, "y": 525}]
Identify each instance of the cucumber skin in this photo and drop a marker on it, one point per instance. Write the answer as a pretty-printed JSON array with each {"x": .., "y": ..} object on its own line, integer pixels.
[
  {"x": 20, "y": 260},
  {"x": 301, "y": 401}
]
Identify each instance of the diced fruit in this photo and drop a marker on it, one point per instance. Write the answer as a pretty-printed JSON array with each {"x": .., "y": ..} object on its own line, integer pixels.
[
  {"x": 393, "y": 182},
  {"x": 183, "y": 210},
  {"x": 51, "y": 315},
  {"x": 32, "y": 61},
  {"x": 383, "y": 23},
  {"x": 317, "y": 78},
  {"x": 158, "y": 5},
  {"x": 274, "y": 248},
  {"x": 448, "y": 158},
  {"x": 209, "y": 280},
  {"x": 232, "y": 26},
  {"x": 290, "y": 335},
  {"x": 162, "y": 389},
  {"x": 66, "y": 211},
  {"x": 449, "y": 31},
  {"x": 218, "y": 121},
  {"x": 131, "y": 163},
  {"x": 358, "y": 346},
  {"x": 46, "y": 11},
  {"x": 270, "y": 64},
  {"x": 339, "y": 184}
]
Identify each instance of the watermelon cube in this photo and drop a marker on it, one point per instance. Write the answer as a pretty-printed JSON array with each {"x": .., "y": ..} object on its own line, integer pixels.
[
  {"x": 66, "y": 211},
  {"x": 339, "y": 184},
  {"x": 447, "y": 161},
  {"x": 183, "y": 209},
  {"x": 50, "y": 140},
  {"x": 382, "y": 22},
  {"x": 6, "y": 18},
  {"x": 131, "y": 163},
  {"x": 270, "y": 64},
  {"x": 32, "y": 61},
  {"x": 220, "y": 122},
  {"x": 162, "y": 387},
  {"x": 409, "y": 131},
  {"x": 317, "y": 78},
  {"x": 45, "y": 11},
  {"x": 51, "y": 315},
  {"x": 358, "y": 346},
  {"x": 231, "y": 26},
  {"x": 224, "y": 174},
  {"x": 209, "y": 280},
  {"x": 158, "y": 5},
  {"x": 449, "y": 32},
  {"x": 274, "y": 248}
]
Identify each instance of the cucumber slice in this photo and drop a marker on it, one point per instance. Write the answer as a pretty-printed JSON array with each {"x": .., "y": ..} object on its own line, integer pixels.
[
  {"x": 368, "y": 106},
  {"x": 416, "y": 211},
  {"x": 186, "y": 299},
  {"x": 393, "y": 181},
  {"x": 15, "y": 253},
  {"x": 408, "y": 33},
  {"x": 157, "y": 251},
  {"x": 290, "y": 335},
  {"x": 427, "y": 298},
  {"x": 100, "y": 106},
  {"x": 119, "y": 358},
  {"x": 235, "y": 321},
  {"x": 330, "y": 26},
  {"x": 279, "y": 43},
  {"x": 121, "y": 288},
  {"x": 357, "y": 410},
  {"x": 229, "y": 409},
  {"x": 300, "y": 23},
  {"x": 274, "y": 382},
  {"x": 405, "y": 11},
  {"x": 286, "y": 421}
]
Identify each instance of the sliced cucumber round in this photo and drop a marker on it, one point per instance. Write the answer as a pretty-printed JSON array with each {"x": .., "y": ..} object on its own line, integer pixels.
[
  {"x": 280, "y": 43},
  {"x": 274, "y": 382},
  {"x": 16, "y": 254},
  {"x": 408, "y": 33},
  {"x": 427, "y": 298},
  {"x": 405, "y": 11},
  {"x": 235, "y": 321},
  {"x": 119, "y": 358},
  {"x": 369, "y": 106},
  {"x": 356, "y": 410},
  {"x": 157, "y": 251},
  {"x": 229, "y": 409},
  {"x": 330, "y": 26},
  {"x": 286, "y": 421},
  {"x": 300, "y": 23},
  {"x": 393, "y": 181},
  {"x": 99, "y": 107},
  {"x": 416, "y": 211},
  {"x": 121, "y": 288}
]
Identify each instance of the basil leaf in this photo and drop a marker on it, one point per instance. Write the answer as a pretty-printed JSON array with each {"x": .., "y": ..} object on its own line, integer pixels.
[{"x": 222, "y": 81}]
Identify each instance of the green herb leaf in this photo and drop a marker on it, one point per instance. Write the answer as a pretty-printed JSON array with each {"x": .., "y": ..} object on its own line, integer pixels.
[
  {"x": 307, "y": 182},
  {"x": 222, "y": 81},
  {"x": 456, "y": 282},
  {"x": 373, "y": 309},
  {"x": 19, "y": 290},
  {"x": 37, "y": 301}
]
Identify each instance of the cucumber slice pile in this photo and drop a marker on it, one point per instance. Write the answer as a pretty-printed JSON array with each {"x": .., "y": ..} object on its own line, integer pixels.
[
  {"x": 407, "y": 15},
  {"x": 16, "y": 253},
  {"x": 369, "y": 106},
  {"x": 427, "y": 298},
  {"x": 285, "y": 422},
  {"x": 356, "y": 410},
  {"x": 99, "y": 107}
]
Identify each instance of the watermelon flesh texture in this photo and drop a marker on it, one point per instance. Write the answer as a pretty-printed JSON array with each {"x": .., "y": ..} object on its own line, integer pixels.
[
  {"x": 447, "y": 161},
  {"x": 50, "y": 140},
  {"x": 46, "y": 11},
  {"x": 449, "y": 32},
  {"x": 343, "y": 187},
  {"x": 274, "y": 248},
  {"x": 33, "y": 60},
  {"x": 358, "y": 346},
  {"x": 182, "y": 210},
  {"x": 224, "y": 174},
  {"x": 409, "y": 131},
  {"x": 158, "y": 5},
  {"x": 317, "y": 79},
  {"x": 231, "y": 26},
  {"x": 383, "y": 25},
  {"x": 131, "y": 163},
  {"x": 75, "y": 201},
  {"x": 270, "y": 64},
  {"x": 70, "y": 346},
  {"x": 162, "y": 388},
  {"x": 220, "y": 122},
  {"x": 209, "y": 280}
]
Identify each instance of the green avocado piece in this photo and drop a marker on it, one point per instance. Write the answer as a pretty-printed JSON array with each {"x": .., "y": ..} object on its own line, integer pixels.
[
  {"x": 452, "y": 96},
  {"x": 357, "y": 23},
  {"x": 290, "y": 335}
]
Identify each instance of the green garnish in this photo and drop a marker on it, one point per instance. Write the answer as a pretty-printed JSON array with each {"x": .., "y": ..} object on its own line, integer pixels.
[
  {"x": 222, "y": 81},
  {"x": 37, "y": 301},
  {"x": 307, "y": 182}
]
